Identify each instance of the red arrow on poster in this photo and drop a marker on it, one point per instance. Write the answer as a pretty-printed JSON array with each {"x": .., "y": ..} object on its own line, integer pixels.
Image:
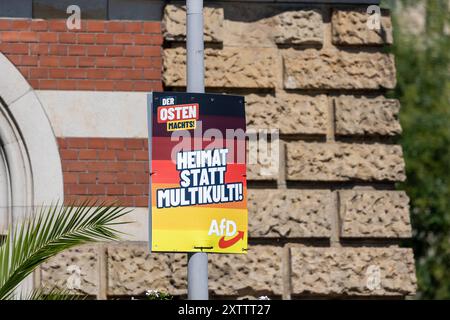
[{"x": 228, "y": 243}]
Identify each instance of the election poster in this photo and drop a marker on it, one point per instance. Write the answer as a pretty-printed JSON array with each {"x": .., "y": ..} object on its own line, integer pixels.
[{"x": 198, "y": 189}]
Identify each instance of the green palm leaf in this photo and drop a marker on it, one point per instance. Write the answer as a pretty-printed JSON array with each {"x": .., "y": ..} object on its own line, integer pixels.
[{"x": 49, "y": 232}]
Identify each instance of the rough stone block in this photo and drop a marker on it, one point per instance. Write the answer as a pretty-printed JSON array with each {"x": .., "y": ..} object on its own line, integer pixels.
[
  {"x": 367, "y": 116},
  {"x": 132, "y": 270},
  {"x": 353, "y": 271},
  {"x": 263, "y": 158},
  {"x": 290, "y": 113},
  {"x": 289, "y": 213},
  {"x": 350, "y": 28},
  {"x": 344, "y": 161},
  {"x": 229, "y": 67},
  {"x": 75, "y": 269},
  {"x": 374, "y": 214},
  {"x": 257, "y": 273},
  {"x": 299, "y": 27},
  {"x": 174, "y": 23},
  {"x": 337, "y": 69}
]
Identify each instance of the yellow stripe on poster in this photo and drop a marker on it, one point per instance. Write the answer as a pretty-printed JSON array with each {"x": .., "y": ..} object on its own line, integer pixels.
[
  {"x": 213, "y": 229},
  {"x": 181, "y": 217},
  {"x": 181, "y": 241}
]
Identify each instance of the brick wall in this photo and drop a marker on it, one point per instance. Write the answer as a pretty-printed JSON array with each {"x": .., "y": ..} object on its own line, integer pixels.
[
  {"x": 106, "y": 170},
  {"x": 103, "y": 55}
]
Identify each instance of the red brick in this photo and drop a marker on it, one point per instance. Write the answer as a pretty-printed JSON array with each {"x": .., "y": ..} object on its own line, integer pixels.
[
  {"x": 141, "y": 177},
  {"x": 57, "y": 49},
  {"x": 115, "y": 74},
  {"x": 143, "y": 63},
  {"x": 68, "y": 61},
  {"x": 146, "y": 39},
  {"x": 115, "y": 166},
  {"x": 104, "y": 85},
  {"x": 67, "y": 84},
  {"x": 57, "y": 25},
  {"x": 5, "y": 24},
  {"x": 97, "y": 166},
  {"x": 123, "y": 39},
  {"x": 136, "y": 166},
  {"x": 29, "y": 61},
  {"x": 133, "y": 74},
  {"x": 96, "y": 143},
  {"x": 87, "y": 154},
  {"x": 87, "y": 38},
  {"x": 124, "y": 62},
  {"x": 62, "y": 143},
  {"x": 28, "y": 36},
  {"x": 133, "y": 27},
  {"x": 86, "y": 62},
  {"x": 106, "y": 155},
  {"x": 39, "y": 25},
  {"x": 152, "y": 51},
  {"x": 51, "y": 37},
  {"x": 125, "y": 178},
  {"x": 96, "y": 73},
  {"x": 141, "y": 155},
  {"x": 77, "y": 50},
  {"x": 74, "y": 166},
  {"x": 115, "y": 26},
  {"x": 134, "y": 190},
  {"x": 96, "y": 51},
  {"x": 152, "y": 74},
  {"x": 152, "y": 27},
  {"x": 141, "y": 201},
  {"x": 15, "y": 48},
  {"x": 124, "y": 155},
  {"x": 68, "y": 37},
  {"x": 85, "y": 85},
  {"x": 75, "y": 73},
  {"x": 123, "y": 86},
  {"x": 72, "y": 189},
  {"x": 38, "y": 73},
  {"x": 104, "y": 39},
  {"x": 68, "y": 154},
  {"x": 96, "y": 189},
  {"x": 41, "y": 49},
  {"x": 104, "y": 62},
  {"x": 20, "y": 24},
  {"x": 48, "y": 84},
  {"x": 95, "y": 26},
  {"x": 133, "y": 51},
  {"x": 106, "y": 178},
  {"x": 115, "y": 190},
  {"x": 87, "y": 178},
  {"x": 117, "y": 144},
  {"x": 34, "y": 83},
  {"x": 114, "y": 51},
  {"x": 77, "y": 143},
  {"x": 143, "y": 86},
  {"x": 134, "y": 144},
  {"x": 49, "y": 61},
  {"x": 24, "y": 71},
  {"x": 69, "y": 177},
  {"x": 10, "y": 36}
]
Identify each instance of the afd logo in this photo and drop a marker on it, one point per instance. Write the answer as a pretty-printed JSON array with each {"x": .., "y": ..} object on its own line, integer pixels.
[
  {"x": 168, "y": 101},
  {"x": 226, "y": 228}
]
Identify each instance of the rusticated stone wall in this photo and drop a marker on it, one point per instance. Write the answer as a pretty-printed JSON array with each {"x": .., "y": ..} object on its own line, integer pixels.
[{"x": 329, "y": 222}]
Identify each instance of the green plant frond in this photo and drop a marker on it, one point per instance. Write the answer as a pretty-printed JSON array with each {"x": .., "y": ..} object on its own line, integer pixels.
[
  {"x": 50, "y": 231},
  {"x": 51, "y": 294}
]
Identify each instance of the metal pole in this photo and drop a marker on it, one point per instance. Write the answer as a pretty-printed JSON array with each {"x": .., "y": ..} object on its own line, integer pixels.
[{"x": 197, "y": 262}]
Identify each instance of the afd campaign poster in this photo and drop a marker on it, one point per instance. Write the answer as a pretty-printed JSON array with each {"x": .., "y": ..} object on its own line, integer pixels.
[{"x": 198, "y": 189}]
